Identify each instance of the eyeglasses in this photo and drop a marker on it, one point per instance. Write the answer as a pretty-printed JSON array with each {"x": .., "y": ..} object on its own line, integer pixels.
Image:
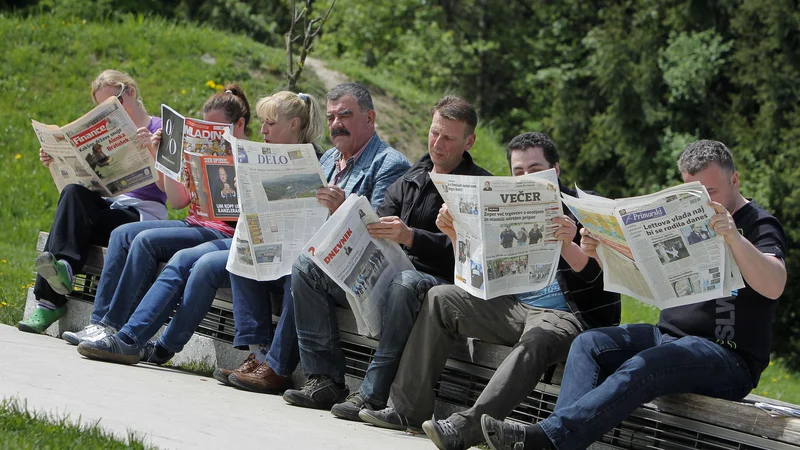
[{"x": 119, "y": 96}]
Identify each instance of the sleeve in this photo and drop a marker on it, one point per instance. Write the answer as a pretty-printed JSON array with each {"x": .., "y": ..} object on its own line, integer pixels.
[
  {"x": 591, "y": 273},
  {"x": 391, "y": 170},
  {"x": 767, "y": 235},
  {"x": 391, "y": 200}
]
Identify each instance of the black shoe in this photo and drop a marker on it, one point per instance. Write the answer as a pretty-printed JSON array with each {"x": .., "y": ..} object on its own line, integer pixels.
[
  {"x": 319, "y": 392},
  {"x": 154, "y": 354},
  {"x": 444, "y": 434},
  {"x": 391, "y": 419},
  {"x": 352, "y": 405},
  {"x": 503, "y": 435}
]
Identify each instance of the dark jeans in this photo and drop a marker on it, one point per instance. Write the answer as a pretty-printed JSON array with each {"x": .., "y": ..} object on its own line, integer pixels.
[
  {"x": 611, "y": 371},
  {"x": 540, "y": 338},
  {"x": 315, "y": 299},
  {"x": 252, "y": 315},
  {"x": 83, "y": 218}
]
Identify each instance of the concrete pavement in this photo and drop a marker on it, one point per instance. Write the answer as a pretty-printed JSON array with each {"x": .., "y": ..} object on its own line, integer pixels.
[{"x": 172, "y": 409}]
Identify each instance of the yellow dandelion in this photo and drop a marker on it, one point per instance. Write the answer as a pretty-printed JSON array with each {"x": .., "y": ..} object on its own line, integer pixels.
[
  {"x": 3, "y": 304},
  {"x": 785, "y": 376},
  {"x": 219, "y": 87},
  {"x": 764, "y": 392},
  {"x": 183, "y": 91},
  {"x": 18, "y": 156},
  {"x": 63, "y": 22},
  {"x": 771, "y": 363},
  {"x": 211, "y": 84},
  {"x": 774, "y": 380},
  {"x": 83, "y": 21},
  {"x": 3, "y": 261},
  {"x": 42, "y": 25}
]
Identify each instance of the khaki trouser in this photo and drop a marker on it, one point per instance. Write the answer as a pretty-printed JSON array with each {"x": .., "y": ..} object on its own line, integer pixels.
[{"x": 540, "y": 337}]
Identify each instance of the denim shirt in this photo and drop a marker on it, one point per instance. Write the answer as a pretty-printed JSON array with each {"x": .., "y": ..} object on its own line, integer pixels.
[{"x": 375, "y": 169}]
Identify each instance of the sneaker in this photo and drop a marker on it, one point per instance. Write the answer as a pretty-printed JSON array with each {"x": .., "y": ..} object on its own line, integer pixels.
[
  {"x": 391, "y": 419},
  {"x": 503, "y": 435},
  {"x": 444, "y": 434},
  {"x": 150, "y": 354},
  {"x": 91, "y": 332},
  {"x": 351, "y": 406},
  {"x": 248, "y": 365},
  {"x": 319, "y": 392},
  {"x": 111, "y": 349},
  {"x": 57, "y": 273},
  {"x": 263, "y": 379},
  {"x": 40, "y": 319}
]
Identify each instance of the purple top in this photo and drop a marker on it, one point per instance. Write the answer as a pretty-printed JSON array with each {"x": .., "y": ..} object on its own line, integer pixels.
[{"x": 151, "y": 192}]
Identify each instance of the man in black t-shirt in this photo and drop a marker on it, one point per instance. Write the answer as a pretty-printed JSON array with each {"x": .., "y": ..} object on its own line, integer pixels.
[{"x": 717, "y": 348}]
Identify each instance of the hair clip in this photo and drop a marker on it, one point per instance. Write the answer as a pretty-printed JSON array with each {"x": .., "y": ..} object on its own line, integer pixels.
[
  {"x": 228, "y": 91},
  {"x": 302, "y": 97}
]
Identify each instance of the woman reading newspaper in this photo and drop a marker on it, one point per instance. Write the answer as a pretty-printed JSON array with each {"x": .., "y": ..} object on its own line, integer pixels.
[
  {"x": 135, "y": 249},
  {"x": 84, "y": 218},
  {"x": 191, "y": 278}
]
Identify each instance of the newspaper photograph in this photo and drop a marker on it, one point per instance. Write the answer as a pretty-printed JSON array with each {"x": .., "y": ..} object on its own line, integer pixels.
[
  {"x": 659, "y": 248},
  {"x": 180, "y": 134},
  {"x": 212, "y": 190},
  {"x": 275, "y": 191},
  {"x": 361, "y": 265},
  {"x": 505, "y": 231},
  {"x": 98, "y": 151}
]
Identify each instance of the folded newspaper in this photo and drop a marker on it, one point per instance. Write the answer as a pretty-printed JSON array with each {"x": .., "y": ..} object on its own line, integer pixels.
[
  {"x": 277, "y": 186},
  {"x": 660, "y": 248},
  {"x": 180, "y": 135},
  {"x": 504, "y": 230},
  {"x": 361, "y": 265},
  {"x": 98, "y": 151}
]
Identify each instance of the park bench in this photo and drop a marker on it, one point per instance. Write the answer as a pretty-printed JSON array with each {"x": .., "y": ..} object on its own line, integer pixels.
[{"x": 684, "y": 421}]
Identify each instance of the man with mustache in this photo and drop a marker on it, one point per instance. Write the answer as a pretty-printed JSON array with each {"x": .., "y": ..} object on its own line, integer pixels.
[{"x": 408, "y": 217}]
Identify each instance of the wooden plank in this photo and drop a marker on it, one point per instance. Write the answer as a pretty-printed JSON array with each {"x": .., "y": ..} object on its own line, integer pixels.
[{"x": 732, "y": 415}]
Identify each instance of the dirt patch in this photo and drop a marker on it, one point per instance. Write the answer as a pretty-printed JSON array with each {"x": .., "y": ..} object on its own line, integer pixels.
[{"x": 395, "y": 124}]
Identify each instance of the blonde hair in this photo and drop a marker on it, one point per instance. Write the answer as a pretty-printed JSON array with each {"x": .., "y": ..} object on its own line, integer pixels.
[
  {"x": 118, "y": 79},
  {"x": 290, "y": 105}
]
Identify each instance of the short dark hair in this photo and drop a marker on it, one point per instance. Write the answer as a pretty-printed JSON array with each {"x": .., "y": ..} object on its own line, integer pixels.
[
  {"x": 534, "y": 139},
  {"x": 698, "y": 155},
  {"x": 456, "y": 108},
  {"x": 359, "y": 92}
]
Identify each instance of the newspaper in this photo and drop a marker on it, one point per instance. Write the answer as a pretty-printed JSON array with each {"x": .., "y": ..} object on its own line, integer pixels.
[
  {"x": 361, "y": 265},
  {"x": 98, "y": 151},
  {"x": 180, "y": 135},
  {"x": 213, "y": 193},
  {"x": 277, "y": 187},
  {"x": 504, "y": 231},
  {"x": 659, "y": 248}
]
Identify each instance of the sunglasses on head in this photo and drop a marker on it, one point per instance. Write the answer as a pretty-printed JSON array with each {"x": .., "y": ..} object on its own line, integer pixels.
[{"x": 119, "y": 96}]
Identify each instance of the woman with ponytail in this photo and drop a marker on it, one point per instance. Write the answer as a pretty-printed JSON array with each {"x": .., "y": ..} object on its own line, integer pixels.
[
  {"x": 188, "y": 283},
  {"x": 136, "y": 249}
]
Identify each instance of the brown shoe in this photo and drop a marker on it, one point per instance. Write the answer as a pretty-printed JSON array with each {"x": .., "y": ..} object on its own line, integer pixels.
[
  {"x": 263, "y": 380},
  {"x": 250, "y": 364}
]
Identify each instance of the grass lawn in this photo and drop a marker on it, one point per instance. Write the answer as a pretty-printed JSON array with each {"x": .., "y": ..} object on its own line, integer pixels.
[{"x": 22, "y": 429}]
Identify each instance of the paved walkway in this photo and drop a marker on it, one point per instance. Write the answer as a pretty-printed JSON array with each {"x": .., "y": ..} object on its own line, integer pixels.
[{"x": 174, "y": 409}]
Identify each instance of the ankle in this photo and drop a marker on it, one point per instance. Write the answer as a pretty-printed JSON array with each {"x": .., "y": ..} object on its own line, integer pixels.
[{"x": 536, "y": 438}]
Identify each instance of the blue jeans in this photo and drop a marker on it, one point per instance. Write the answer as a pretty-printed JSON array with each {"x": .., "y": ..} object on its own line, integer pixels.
[
  {"x": 189, "y": 283},
  {"x": 611, "y": 371},
  {"x": 316, "y": 295},
  {"x": 252, "y": 314},
  {"x": 131, "y": 264}
]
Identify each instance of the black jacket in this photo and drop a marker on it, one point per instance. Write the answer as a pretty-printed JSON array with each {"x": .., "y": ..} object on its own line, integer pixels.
[
  {"x": 583, "y": 290},
  {"x": 414, "y": 199}
]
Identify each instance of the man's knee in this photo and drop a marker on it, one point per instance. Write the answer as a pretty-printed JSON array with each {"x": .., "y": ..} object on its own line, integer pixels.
[{"x": 545, "y": 346}]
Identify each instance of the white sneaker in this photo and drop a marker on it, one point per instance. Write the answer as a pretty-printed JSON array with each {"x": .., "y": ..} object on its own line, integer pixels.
[{"x": 91, "y": 332}]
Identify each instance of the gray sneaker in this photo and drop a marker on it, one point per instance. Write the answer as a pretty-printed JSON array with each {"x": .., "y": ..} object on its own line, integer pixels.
[
  {"x": 391, "y": 419},
  {"x": 503, "y": 435},
  {"x": 319, "y": 392},
  {"x": 89, "y": 332},
  {"x": 352, "y": 405},
  {"x": 444, "y": 434}
]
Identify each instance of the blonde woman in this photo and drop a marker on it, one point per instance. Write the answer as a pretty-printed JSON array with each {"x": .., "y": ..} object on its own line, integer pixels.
[{"x": 84, "y": 217}]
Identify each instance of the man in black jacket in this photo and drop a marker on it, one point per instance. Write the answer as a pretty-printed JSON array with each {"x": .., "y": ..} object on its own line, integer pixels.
[
  {"x": 539, "y": 325},
  {"x": 408, "y": 217}
]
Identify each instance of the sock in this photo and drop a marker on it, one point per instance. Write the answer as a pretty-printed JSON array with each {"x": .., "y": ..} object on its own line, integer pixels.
[
  {"x": 69, "y": 270},
  {"x": 536, "y": 438},
  {"x": 260, "y": 351},
  {"x": 126, "y": 339},
  {"x": 44, "y": 304}
]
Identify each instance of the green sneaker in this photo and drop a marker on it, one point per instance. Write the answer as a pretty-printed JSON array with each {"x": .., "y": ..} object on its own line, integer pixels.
[
  {"x": 57, "y": 273},
  {"x": 40, "y": 320}
]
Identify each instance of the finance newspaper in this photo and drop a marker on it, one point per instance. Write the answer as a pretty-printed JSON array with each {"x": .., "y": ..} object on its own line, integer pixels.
[
  {"x": 277, "y": 187},
  {"x": 659, "y": 248},
  {"x": 97, "y": 151},
  {"x": 504, "y": 230},
  {"x": 361, "y": 265},
  {"x": 180, "y": 135}
]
